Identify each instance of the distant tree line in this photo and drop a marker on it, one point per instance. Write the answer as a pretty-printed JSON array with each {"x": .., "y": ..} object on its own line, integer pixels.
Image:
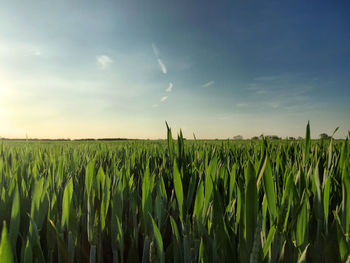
[
  {"x": 325, "y": 136},
  {"x": 32, "y": 139},
  {"x": 86, "y": 139},
  {"x": 270, "y": 137}
]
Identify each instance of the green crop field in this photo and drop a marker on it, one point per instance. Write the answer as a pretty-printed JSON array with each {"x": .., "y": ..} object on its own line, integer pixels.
[{"x": 175, "y": 201}]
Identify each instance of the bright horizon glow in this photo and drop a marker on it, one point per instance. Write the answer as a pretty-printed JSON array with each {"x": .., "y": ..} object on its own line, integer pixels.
[{"x": 88, "y": 69}]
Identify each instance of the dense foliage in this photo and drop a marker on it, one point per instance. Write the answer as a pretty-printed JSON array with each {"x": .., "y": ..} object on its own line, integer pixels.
[{"x": 175, "y": 201}]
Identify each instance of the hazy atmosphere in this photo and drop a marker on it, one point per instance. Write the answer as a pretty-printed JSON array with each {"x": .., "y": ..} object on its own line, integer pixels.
[
  {"x": 176, "y": 131},
  {"x": 77, "y": 69}
]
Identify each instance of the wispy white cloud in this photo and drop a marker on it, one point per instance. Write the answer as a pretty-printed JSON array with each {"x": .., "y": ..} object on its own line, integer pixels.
[
  {"x": 164, "y": 98},
  {"x": 155, "y": 50},
  {"x": 155, "y": 105},
  {"x": 104, "y": 61},
  {"x": 170, "y": 87},
  {"x": 256, "y": 89},
  {"x": 162, "y": 66},
  {"x": 33, "y": 52},
  {"x": 159, "y": 60},
  {"x": 208, "y": 84},
  {"x": 274, "y": 105},
  {"x": 241, "y": 105}
]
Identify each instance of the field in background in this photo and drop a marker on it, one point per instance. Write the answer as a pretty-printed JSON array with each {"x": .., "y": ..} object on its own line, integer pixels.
[{"x": 175, "y": 201}]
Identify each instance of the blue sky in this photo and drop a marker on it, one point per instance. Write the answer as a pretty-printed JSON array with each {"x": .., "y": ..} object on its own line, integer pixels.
[{"x": 121, "y": 68}]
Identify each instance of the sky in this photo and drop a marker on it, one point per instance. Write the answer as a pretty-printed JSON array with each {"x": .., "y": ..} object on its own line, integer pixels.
[{"x": 92, "y": 69}]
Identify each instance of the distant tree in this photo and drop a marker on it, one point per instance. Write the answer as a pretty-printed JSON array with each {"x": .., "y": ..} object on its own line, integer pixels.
[
  {"x": 300, "y": 138},
  {"x": 255, "y": 138},
  {"x": 272, "y": 137},
  {"x": 238, "y": 137},
  {"x": 324, "y": 136},
  {"x": 291, "y": 138}
]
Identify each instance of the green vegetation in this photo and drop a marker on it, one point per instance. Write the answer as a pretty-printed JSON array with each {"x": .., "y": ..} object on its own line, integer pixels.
[{"x": 175, "y": 201}]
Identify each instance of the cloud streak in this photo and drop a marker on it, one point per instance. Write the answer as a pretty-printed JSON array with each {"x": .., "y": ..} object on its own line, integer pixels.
[
  {"x": 274, "y": 105},
  {"x": 162, "y": 66},
  {"x": 241, "y": 105},
  {"x": 104, "y": 61},
  {"x": 33, "y": 52},
  {"x": 170, "y": 87},
  {"x": 208, "y": 84},
  {"x": 164, "y": 98},
  {"x": 159, "y": 60},
  {"x": 155, "y": 50}
]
